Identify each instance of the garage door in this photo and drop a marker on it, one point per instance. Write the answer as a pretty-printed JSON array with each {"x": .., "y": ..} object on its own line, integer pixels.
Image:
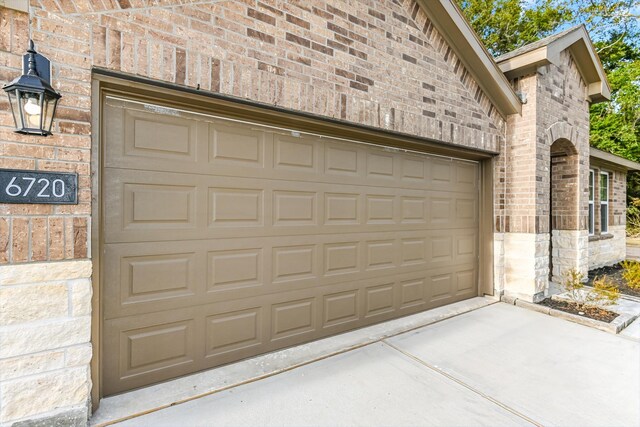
[{"x": 223, "y": 240}]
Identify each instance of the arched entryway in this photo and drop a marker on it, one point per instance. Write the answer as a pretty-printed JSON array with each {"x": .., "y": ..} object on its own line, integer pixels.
[{"x": 564, "y": 181}]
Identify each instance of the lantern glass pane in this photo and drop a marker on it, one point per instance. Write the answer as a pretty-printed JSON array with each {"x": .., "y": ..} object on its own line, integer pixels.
[
  {"x": 31, "y": 104},
  {"x": 49, "y": 109},
  {"x": 13, "y": 101}
]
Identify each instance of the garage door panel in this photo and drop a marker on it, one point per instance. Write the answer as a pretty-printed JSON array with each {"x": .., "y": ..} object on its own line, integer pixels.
[
  {"x": 235, "y": 269},
  {"x": 234, "y": 331},
  {"x": 155, "y": 276},
  {"x": 166, "y": 141},
  {"x": 224, "y": 240},
  {"x": 163, "y": 345},
  {"x": 295, "y": 154},
  {"x": 152, "y": 138},
  {"x": 340, "y": 308},
  {"x": 153, "y": 206},
  {"x": 238, "y": 146}
]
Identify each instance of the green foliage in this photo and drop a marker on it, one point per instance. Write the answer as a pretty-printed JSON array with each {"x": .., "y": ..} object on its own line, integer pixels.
[
  {"x": 617, "y": 49},
  {"x": 633, "y": 218},
  {"x": 631, "y": 274},
  {"x": 505, "y": 25},
  {"x": 615, "y": 126},
  {"x": 603, "y": 292},
  {"x": 613, "y": 24}
]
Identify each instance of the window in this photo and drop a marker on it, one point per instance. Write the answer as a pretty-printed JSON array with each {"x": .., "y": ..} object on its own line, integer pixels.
[
  {"x": 604, "y": 202},
  {"x": 592, "y": 214}
]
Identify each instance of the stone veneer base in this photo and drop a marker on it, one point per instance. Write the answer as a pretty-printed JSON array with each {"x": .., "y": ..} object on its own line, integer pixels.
[{"x": 45, "y": 343}]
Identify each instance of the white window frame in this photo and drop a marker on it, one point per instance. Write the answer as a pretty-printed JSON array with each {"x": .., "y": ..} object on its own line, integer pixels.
[
  {"x": 604, "y": 222},
  {"x": 592, "y": 197}
]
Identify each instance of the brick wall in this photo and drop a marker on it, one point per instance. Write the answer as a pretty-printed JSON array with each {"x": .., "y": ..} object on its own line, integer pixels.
[
  {"x": 520, "y": 171},
  {"x": 563, "y": 115},
  {"x": 381, "y": 64},
  {"x": 564, "y": 190},
  {"x": 44, "y": 232}
]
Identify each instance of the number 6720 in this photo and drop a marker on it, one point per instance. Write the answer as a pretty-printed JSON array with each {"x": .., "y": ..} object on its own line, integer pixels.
[{"x": 46, "y": 187}]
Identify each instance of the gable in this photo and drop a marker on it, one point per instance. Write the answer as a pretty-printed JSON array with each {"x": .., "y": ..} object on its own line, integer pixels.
[{"x": 550, "y": 50}]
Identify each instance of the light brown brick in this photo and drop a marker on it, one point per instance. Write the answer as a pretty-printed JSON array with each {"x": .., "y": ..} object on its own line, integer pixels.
[
  {"x": 20, "y": 237},
  {"x": 5, "y": 230},
  {"x": 56, "y": 238},
  {"x": 39, "y": 239}
]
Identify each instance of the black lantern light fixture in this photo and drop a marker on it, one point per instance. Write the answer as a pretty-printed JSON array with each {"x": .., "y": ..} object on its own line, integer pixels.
[{"x": 33, "y": 100}]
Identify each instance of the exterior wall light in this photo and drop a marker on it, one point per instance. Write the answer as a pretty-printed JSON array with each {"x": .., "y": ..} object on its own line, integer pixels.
[{"x": 33, "y": 100}]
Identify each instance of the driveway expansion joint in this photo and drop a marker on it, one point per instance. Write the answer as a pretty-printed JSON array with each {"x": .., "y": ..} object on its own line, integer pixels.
[{"x": 462, "y": 383}]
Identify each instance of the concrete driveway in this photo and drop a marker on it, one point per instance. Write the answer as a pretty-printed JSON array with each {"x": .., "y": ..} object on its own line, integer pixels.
[{"x": 498, "y": 365}]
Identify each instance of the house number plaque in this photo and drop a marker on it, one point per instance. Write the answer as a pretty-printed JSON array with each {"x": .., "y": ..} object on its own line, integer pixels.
[{"x": 23, "y": 186}]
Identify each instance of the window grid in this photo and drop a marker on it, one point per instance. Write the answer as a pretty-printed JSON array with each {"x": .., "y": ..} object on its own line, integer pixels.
[{"x": 604, "y": 202}]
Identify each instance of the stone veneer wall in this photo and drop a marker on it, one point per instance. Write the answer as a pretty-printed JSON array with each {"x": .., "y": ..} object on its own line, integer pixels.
[
  {"x": 608, "y": 251},
  {"x": 381, "y": 64},
  {"x": 45, "y": 349},
  {"x": 570, "y": 250},
  {"x": 526, "y": 265}
]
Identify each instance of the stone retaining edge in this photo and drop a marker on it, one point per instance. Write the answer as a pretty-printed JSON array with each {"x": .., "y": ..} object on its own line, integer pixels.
[{"x": 616, "y": 325}]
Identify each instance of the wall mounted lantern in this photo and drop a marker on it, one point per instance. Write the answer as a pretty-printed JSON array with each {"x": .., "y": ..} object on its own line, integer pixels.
[{"x": 33, "y": 100}]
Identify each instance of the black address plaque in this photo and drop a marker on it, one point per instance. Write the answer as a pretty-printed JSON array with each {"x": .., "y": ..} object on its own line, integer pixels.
[{"x": 24, "y": 186}]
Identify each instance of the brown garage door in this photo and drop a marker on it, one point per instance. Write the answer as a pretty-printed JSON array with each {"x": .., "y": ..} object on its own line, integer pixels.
[{"x": 223, "y": 240}]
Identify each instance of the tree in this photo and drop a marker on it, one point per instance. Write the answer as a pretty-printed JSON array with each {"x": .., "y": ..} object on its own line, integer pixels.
[
  {"x": 615, "y": 126},
  {"x": 613, "y": 24},
  {"x": 505, "y": 25}
]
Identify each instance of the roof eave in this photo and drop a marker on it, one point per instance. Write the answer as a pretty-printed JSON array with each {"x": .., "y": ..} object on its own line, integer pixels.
[
  {"x": 613, "y": 160},
  {"x": 455, "y": 29}
]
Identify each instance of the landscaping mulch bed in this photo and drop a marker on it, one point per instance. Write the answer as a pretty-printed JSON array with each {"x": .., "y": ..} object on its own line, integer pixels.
[
  {"x": 590, "y": 312},
  {"x": 615, "y": 274}
]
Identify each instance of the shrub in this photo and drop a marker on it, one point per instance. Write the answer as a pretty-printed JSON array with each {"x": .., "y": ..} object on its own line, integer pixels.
[
  {"x": 573, "y": 285},
  {"x": 631, "y": 274},
  {"x": 604, "y": 291}
]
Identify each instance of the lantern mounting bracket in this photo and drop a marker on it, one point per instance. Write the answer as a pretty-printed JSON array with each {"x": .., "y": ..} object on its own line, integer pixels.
[{"x": 41, "y": 64}]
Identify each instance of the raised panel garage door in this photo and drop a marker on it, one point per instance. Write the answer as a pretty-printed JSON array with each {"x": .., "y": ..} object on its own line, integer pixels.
[{"x": 223, "y": 240}]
